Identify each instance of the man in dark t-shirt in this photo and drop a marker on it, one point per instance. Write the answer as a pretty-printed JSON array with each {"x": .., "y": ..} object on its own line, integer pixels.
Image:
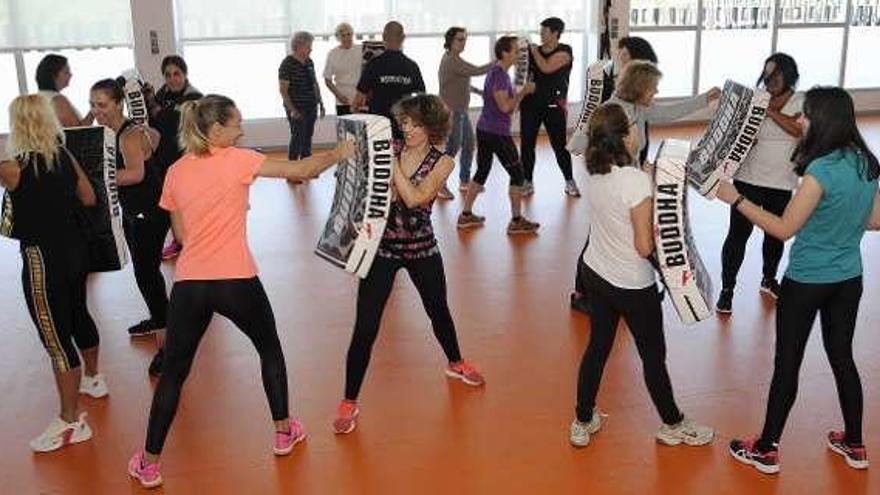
[
  {"x": 389, "y": 77},
  {"x": 301, "y": 95}
]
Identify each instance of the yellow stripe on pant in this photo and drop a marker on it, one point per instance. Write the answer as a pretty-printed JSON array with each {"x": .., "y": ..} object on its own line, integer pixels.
[{"x": 42, "y": 310}]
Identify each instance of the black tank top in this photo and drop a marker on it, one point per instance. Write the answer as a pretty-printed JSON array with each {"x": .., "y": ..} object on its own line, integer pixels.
[
  {"x": 45, "y": 204},
  {"x": 409, "y": 233},
  {"x": 143, "y": 196},
  {"x": 550, "y": 89}
]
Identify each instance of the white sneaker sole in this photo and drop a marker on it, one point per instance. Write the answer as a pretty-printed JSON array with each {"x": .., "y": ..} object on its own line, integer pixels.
[
  {"x": 673, "y": 441},
  {"x": 146, "y": 484},
  {"x": 849, "y": 462},
  {"x": 79, "y": 435},
  {"x": 757, "y": 465},
  {"x": 468, "y": 381},
  {"x": 768, "y": 292},
  {"x": 289, "y": 449}
]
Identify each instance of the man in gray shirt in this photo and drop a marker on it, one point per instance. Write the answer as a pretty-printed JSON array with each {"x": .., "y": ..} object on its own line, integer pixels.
[{"x": 455, "y": 90}]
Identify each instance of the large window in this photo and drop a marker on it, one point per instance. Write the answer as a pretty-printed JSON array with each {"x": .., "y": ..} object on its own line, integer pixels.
[
  {"x": 709, "y": 41},
  {"x": 254, "y": 40},
  {"x": 8, "y": 89},
  {"x": 94, "y": 35}
]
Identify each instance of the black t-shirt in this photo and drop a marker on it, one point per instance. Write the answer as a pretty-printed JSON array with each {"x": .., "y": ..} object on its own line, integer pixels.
[
  {"x": 552, "y": 88},
  {"x": 45, "y": 204},
  {"x": 386, "y": 80},
  {"x": 167, "y": 122},
  {"x": 142, "y": 197},
  {"x": 303, "y": 85}
]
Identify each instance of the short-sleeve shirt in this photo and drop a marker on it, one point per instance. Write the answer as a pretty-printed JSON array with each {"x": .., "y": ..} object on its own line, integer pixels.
[
  {"x": 827, "y": 248},
  {"x": 769, "y": 163},
  {"x": 611, "y": 252},
  {"x": 386, "y": 80},
  {"x": 210, "y": 193},
  {"x": 343, "y": 67},
  {"x": 301, "y": 76},
  {"x": 492, "y": 119}
]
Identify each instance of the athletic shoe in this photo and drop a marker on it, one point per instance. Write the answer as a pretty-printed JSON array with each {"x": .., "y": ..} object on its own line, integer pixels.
[
  {"x": 94, "y": 386},
  {"x": 468, "y": 220},
  {"x": 147, "y": 473},
  {"x": 155, "y": 369},
  {"x": 285, "y": 441},
  {"x": 856, "y": 457},
  {"x": 465, "y": 372},
  {"x": 463, "y": 187},
  {"x": 571, "y": 189},
  {"x": 725, "y": 302},
  {"x": 528, "y": 188},
  {"x": 579, "y": 433},
  {"x": 580, "y": 303},
  {"x": 171, "y": 250},
  {"x": 746, "y": 452},
  {"x": 60, "y": 433},
  {"x": 770, "y": 287},
  {"x": 445, "y": 193},
  {"x": 687, "y": 431},
  {"x": 346, "y": 417},
  {"x": 522, "y": 225},
  {"x": 146, "y": 327}
]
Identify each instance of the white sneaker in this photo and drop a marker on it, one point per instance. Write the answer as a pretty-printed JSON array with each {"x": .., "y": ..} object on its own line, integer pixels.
[
  {"x": 93, "y": 386},
  {"x": 579, "y": 434},
  {"x": 688, "y": 431},
  {"x": 60, "y": 433}
]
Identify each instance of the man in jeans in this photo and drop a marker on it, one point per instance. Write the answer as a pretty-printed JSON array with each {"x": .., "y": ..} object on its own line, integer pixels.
[
  {"x": 455, "y": 90},
  {"x": 302, "y": 97}
]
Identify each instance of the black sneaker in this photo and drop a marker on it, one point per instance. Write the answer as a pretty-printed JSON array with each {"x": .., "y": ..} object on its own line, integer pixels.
[
  {"x": 746, "y": 452},
  {"x": 770, "y": 287},
  {"x": 725, "y": 302},
  {"x": 580, "y": 303},
  {"x": 146, "y": 327},
  {"x": 156, "y": 364}
]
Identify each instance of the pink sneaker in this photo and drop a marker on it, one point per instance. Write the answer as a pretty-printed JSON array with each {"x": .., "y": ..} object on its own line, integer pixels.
[
  {"x": 856, "y": 457},
  {"x": 465, "y": 372},
  {"x": 346, "y": 417},
  {"x": 284, "y": 442},
  {"x": 147, "y": 474},
  {"x": 171, "y": 250}
]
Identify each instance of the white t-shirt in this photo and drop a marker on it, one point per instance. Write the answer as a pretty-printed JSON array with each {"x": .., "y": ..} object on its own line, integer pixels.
[
  {"x": 611, "y": 252},
  {"x": 769, "y": 163},
  {"x": 343, "y": 67}
]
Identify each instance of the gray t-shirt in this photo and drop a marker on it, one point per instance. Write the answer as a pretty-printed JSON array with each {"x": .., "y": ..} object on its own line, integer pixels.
[{"x": 659, "y": 113}]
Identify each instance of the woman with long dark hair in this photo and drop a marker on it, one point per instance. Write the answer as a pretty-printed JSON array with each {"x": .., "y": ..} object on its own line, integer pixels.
[
  {"x": 53, "y": 75},
  {"x": 621, "y": 281},
  {"x": 836, "y": 202},
  {"x": 766, "y": 177}
]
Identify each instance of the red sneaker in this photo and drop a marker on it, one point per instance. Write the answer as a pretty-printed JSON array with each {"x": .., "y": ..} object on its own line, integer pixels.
[
  {"x": 746, "y": 452},
  {"x": 346, "y": 417},
  {"x": 856, "y": 457},
  {"x": 465, "y": 372}
]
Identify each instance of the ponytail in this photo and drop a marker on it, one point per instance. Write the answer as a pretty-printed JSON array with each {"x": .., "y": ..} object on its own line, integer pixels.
[{"x": 197, "y": 117}]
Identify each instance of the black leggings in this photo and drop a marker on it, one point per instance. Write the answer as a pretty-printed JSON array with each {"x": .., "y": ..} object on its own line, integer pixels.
[
  {"x": 503, "y": 147},
  {"x": 373, "y": 291},
  {"x": 554, "y": 120},
  {"x": 640, "y": 309},
  {"x": 145, "y": 234},
  {"x": 193, "y": 303},
  {"x": 838, "y": 306},
  {"x": 734, "y": 250},
  {"x": 54, "y": 283}
]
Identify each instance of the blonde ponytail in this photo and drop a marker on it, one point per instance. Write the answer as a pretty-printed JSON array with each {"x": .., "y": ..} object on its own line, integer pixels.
[{"x": 197, "y": 117}]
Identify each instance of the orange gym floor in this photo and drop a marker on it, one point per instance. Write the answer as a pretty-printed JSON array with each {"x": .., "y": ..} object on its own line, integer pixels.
[{"x": 420, "y": 433}]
